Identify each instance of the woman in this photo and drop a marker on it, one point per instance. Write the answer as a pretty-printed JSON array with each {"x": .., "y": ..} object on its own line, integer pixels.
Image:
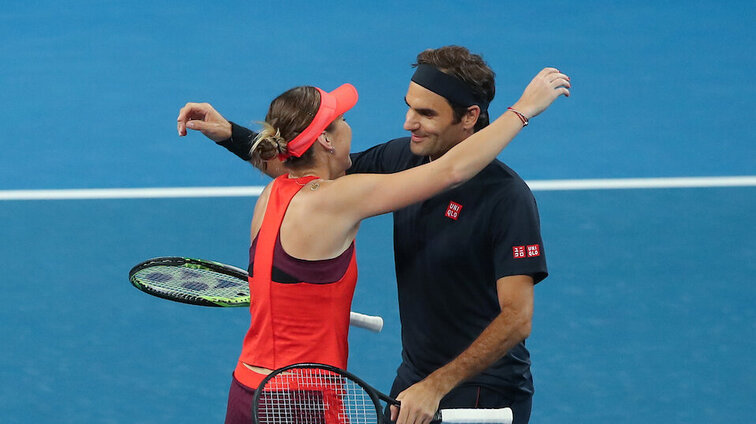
[{"x": 302, "y": 264}]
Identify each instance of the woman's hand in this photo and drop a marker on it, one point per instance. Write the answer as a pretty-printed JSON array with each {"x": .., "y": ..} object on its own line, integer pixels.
[{"x": 542, "y": 91}]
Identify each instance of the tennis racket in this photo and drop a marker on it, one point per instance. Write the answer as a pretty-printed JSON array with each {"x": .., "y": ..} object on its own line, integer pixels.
[
  {"x": 208, "y": 283},
  {"x": 322, "y": 394}
]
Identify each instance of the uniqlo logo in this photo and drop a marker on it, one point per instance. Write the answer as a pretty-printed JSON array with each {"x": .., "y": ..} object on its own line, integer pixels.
[
  {"x": 453, "y": 210},
  {"x": 518, "y": 252},
  {"x": 534, "y": 250}
]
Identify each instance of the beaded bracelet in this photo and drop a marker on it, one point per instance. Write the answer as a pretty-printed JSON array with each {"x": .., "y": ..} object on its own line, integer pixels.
[{"x": 522, "y": 117}]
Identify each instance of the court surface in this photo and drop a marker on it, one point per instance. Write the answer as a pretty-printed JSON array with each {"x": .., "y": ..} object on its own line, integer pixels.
[{"x": 647, "y": 315}]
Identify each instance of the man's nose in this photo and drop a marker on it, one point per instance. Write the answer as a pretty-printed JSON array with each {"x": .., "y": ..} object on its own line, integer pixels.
[{"x": 411, "y": 122}]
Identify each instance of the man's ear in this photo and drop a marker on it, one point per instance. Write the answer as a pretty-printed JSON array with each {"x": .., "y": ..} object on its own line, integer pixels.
[{"x": 470, "y": 117}]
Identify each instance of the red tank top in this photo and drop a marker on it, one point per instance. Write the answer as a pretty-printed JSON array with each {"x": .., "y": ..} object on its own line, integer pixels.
[{"x": 292, "y": 322}]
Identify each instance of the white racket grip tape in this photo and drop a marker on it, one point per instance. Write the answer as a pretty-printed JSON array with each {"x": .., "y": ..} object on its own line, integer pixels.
[
  {"x": 372, "y": 323},
  {"x": 470, "y": 416}
]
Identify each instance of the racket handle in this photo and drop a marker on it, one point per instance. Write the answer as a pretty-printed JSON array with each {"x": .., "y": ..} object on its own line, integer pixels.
[
  {"x": 372, "y": 323},
  {"x": 467, "y": 416}
]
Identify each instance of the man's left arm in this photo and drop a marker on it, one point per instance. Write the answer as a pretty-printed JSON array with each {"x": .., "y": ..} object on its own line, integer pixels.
[{"x": 420, "y": 401}]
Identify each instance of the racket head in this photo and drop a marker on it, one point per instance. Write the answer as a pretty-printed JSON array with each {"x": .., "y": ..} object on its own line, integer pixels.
[
  {"x": 311, "y": 393},
  {"x": 193, "y": 281}
]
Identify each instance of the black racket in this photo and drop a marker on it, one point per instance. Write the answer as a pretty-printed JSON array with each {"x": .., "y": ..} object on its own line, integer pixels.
[
  {"x": 208, "y": 283},
  {"x": 322, "y": 394}
]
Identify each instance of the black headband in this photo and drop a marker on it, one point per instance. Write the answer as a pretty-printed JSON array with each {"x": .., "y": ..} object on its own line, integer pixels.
[{"x": 447, "y": 86}]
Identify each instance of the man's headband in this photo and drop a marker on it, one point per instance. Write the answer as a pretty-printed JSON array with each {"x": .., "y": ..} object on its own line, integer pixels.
[{"x": 447, "y": 86}]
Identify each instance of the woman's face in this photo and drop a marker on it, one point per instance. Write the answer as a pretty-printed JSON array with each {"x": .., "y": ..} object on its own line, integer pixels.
[{"x": 340, "y": 135}]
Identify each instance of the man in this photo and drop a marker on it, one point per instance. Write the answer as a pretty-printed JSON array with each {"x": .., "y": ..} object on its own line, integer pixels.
[{"x": 465, "y": 311}]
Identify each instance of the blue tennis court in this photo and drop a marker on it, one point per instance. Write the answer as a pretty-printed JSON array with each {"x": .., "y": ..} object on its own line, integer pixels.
[{"x": 647, "y": 315}]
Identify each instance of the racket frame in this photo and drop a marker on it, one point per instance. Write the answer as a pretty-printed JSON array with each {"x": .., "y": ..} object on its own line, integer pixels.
[
  {"x": 356, "y": 319},
  {"x": 372, "y": 392},
  {"x": 461, "y": 415},
  {"x": 191, "y": 263}
]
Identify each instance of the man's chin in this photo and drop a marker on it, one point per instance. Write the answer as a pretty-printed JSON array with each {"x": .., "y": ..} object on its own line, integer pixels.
[{"x": 418, "y": 149}]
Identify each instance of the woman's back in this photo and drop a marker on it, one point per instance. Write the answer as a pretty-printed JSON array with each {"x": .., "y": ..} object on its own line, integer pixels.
[
  {"x": 312, "y": 227},
  {"x": 292, "y": 321}
]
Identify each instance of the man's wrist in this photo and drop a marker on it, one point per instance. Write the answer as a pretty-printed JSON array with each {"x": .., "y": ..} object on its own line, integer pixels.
[
  {"x": 443, "y": 380},
  {"x": 240, "y": 142}
]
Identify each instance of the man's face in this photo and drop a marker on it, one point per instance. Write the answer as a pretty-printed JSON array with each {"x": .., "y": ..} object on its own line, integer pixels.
[{"x": 430, "y": 119}]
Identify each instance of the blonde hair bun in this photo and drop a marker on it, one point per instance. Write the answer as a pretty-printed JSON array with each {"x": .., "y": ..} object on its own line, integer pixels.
[{"x": 267, "y": 145}]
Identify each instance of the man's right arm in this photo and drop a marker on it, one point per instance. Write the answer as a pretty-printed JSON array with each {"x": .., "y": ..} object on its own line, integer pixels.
[{"x": 238, "y": 140}]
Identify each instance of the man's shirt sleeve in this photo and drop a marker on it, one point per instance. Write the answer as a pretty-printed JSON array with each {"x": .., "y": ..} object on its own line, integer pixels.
[{"x": 516, "y": 235}]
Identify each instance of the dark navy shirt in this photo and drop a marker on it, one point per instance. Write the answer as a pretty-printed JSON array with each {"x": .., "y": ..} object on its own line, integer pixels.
[{"x": 450, "y": 250}]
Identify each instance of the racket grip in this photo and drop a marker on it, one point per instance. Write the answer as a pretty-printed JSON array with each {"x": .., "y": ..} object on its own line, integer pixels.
[
  {"x": 469, "y": 416},
  {"x": 372, "y": 323}
]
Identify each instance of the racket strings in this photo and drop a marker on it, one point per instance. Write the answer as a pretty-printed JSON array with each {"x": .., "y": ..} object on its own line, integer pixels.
[
  {"x": 314, "y": 396},
  {"x": 191, "y": 281}
]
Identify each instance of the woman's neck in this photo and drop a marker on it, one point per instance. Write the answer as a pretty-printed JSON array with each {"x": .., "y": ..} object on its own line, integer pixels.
[
  {"x": 302, "y": 174},
  {"x": 321, "y": 170}
]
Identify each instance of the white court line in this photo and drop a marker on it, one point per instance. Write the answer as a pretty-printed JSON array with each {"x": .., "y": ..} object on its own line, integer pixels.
[
  {"x": 130, "y": 193},
  {"x": 252, "y": 191},
  {"x": 630, "y": 183}
]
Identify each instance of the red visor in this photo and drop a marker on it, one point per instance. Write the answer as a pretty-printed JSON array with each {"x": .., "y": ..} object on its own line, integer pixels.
[{"x": 332, "y": 105}]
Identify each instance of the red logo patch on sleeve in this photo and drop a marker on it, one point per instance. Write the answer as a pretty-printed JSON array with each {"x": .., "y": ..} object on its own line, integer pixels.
[
  {"x": 453, "y": 210},
  {"x": 518, "y": 252},
  {"x": 534, "y": 250}
]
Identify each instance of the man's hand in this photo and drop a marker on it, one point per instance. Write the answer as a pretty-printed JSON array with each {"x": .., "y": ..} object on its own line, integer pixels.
[
  {"x": 419, "y": 403},
  {"x": 202, "y": 117}
]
